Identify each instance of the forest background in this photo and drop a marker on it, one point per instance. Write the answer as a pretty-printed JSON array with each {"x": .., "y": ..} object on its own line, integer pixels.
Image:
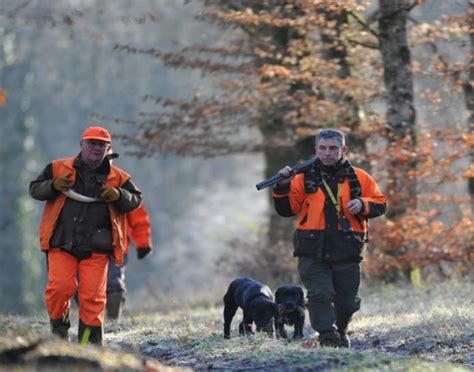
[{"x": 207, "y": 98}]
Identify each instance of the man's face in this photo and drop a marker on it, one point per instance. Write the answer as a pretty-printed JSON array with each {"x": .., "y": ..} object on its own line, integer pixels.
[
  {"x": 94, "y": 151},
  {"x": 329, "y": 150}
]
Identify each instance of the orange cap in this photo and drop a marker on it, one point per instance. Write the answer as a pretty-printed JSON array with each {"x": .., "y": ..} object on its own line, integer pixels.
[{"x": 97, "y": 133}]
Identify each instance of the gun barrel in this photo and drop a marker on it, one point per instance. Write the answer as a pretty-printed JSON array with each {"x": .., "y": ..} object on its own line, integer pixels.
[
  {"x": 269, "y": 181},
  {"x": 278, "y": 177}
]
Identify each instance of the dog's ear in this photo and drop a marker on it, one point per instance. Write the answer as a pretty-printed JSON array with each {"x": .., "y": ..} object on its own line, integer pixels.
[
  {"x": 276, "y": 312},
  {"x": 301, "y": 297},
  {"x": 277, "y": 295},
  {"x": 246, "y": 309}
]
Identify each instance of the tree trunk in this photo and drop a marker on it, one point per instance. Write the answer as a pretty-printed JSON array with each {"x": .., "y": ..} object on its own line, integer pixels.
[
  {"x": 20, "y": 266},
  {"x": 335, "y": 52},
  {"x": 469, "y": 95},
  {"x": 281, "y": 229},
  {"x": 400, "y": 116}
]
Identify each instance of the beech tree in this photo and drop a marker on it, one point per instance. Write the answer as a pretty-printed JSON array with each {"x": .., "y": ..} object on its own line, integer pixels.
[
  {"x": 294, "y": 67},
  {"x": 400, "y": 114},
  {"x": 286, "y": 73}
]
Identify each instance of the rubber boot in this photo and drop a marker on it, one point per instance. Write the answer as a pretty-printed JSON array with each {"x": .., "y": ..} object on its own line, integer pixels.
[
  {"x": 60, "y": 327},
  {"x": 342, "y": 322},
  {"x": 322, "y": 318},
  {"x": 90, "y": 334},
  {"x": 329, "y": 339},
  {"x": 113, "y": 306}
]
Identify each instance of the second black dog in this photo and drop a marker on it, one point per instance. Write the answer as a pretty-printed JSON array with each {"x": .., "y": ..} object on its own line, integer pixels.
[
  {"x": 256, "y": 301},
  {"x": 291, "y": 309}
]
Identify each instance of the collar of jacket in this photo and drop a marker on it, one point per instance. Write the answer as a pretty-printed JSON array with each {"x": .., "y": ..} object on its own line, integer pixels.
[
  {"x": 340, "y": 164},
  {"x": 102, "y": 171}
]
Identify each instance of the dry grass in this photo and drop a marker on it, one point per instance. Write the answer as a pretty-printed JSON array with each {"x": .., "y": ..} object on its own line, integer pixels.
[{"x": 398, "y": 328}]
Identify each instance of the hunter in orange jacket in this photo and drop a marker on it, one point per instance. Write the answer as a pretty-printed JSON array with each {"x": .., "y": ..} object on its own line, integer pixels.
[
  {"x": 332, "y": 202},
  {"x": 83, "y": 223},
  {"x": 139, "y": 232}
]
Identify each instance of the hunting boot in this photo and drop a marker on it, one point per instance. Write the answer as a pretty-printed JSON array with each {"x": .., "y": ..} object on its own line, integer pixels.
[
  {"x": 321, "y": 316},
  {"x": 342, "y": 323},
  {"x": 60, "y": 327},
  {"x": 329, "y": 339},
  {"x": 90, "y": 334},
  {"x": 113, "y": 306}
]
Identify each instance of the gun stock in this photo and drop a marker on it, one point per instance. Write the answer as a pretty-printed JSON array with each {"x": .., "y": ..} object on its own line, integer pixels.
[{"x": 299, "y": 168}]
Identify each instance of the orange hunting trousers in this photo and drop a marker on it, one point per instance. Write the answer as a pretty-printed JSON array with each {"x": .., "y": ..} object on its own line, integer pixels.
[{"x": 62, "y": 284}]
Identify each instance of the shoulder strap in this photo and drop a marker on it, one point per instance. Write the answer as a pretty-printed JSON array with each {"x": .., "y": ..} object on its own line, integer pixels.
[
  {"x": 354, "y": 184},
  {"x": 312, "y": 179}
]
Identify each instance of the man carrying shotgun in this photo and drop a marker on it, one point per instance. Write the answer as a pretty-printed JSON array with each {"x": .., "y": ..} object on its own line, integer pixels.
[{"x": 332, "y": 201}]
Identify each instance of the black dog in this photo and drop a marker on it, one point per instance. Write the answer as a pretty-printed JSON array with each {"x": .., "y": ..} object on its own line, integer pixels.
[
  {"x": 256, "y": 301},
  {"x": 291, "y": 308}
]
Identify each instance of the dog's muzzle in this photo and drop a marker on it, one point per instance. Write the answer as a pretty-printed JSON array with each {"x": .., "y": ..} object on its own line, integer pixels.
[{"x": 288, "y": 307}]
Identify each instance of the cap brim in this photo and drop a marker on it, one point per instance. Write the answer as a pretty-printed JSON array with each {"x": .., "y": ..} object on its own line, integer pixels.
[{"x": 96, "y": 138}]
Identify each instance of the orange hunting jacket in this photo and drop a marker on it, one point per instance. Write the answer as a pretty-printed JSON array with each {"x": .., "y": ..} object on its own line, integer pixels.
[
  {"x": 52, "y": 209},
  {"x": 309, "y": 208}
]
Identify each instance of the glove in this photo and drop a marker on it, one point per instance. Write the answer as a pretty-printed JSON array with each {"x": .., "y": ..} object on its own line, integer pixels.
[
  {"x": 110, "y": 194},
  {"x": 285, "y": 172},
  {"x": 62, "y": 183},
  {"x": 355, "y": 206},
  {"x": 142, "y": 252}
]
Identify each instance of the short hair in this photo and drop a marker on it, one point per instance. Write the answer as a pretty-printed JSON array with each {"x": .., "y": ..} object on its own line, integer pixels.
[{"x": 331, "y": 133}]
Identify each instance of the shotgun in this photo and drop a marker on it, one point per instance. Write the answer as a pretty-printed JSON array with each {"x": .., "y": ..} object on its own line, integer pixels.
[{"x": 299, "y": 168}]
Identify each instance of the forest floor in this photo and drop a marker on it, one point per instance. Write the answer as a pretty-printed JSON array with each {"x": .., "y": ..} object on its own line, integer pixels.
[{"x": 399, "y": 328}]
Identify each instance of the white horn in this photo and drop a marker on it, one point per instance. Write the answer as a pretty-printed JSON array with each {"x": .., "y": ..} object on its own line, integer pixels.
[{"x": 81, "y": 198}]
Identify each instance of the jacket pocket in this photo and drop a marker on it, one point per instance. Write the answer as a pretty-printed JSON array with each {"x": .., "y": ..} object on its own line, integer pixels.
[
  {"x": 308, "y": 243},
  {"x": 354, "y": 246},
  {"x": 101, "y": 240},
  {"x": 57, "y": 237}
]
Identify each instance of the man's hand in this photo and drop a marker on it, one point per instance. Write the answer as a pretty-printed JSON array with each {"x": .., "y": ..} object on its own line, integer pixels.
[
  {"x": 354, "y": 206},
  {"x": 110, "y": 194},
  {"x": 142, "y": 252},
  {"x": 63, "y": 183},
  {"x": 285, "y": 172}
]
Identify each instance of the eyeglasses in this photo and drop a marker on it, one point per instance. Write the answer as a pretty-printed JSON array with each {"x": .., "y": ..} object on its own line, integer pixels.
[{"x": 96, "y": 143}]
